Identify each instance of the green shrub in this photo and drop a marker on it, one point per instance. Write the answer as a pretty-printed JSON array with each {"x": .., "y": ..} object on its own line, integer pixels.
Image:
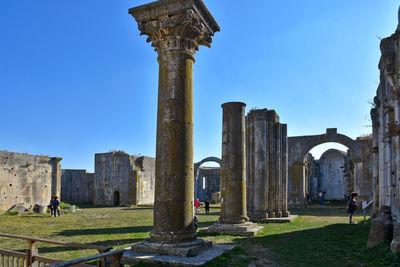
[{"x": 11, "y": 213}]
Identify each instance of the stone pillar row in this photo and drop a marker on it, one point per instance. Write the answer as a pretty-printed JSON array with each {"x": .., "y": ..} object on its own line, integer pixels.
[{"x": 267, "y": 165}]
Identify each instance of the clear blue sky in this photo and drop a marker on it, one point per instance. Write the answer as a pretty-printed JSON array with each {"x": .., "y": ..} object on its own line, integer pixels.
[{"x": 77, "y": 79}]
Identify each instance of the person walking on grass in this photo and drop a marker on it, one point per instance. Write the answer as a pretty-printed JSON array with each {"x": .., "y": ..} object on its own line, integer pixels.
[
  {"x": 56, "y": 206},
  {"x": 197, "y": 206},
  {"x": 351, "y": 206}
]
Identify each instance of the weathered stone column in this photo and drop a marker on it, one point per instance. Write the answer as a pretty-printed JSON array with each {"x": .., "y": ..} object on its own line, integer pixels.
[
  {"x": 233, "y": 167},
  {"x": 284, "y": 187},
  {"x": 56, "y": 177},
  {"x": 375, "y": 159},
  {"x": 271, "y": 169},
  {"x": 257, "y": 165},
  {"x": 233, "y": 219},
  {"x": 176, "y": 29},
  {"x": 277, "y": 169}
]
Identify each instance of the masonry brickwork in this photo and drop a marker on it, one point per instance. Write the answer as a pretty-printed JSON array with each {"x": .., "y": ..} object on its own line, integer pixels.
[{"x": 28, "y": 179}]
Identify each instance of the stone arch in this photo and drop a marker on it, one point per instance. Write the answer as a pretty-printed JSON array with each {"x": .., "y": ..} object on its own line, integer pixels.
[
  {"x": 299, "y": 146},
  {"x": 198, "y": 192}
]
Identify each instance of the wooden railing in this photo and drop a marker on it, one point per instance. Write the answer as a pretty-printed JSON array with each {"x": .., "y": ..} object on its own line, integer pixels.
[{"x": 31, "y": 258}]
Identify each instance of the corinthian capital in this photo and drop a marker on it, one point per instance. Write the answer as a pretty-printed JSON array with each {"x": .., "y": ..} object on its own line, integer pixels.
[{"x": 176, "y": 24}]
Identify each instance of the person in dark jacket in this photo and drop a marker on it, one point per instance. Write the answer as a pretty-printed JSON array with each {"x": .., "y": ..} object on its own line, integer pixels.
[
  {"x": 352, "y": 206},
  {"x": 207, "y": 206},
  {"x": 56, "y": 206}
]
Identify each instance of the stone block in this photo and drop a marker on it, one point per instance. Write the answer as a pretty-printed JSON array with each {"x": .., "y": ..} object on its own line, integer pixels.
[
  {"x": 185, "y": 249},
  {"x": 243, "y": 229},
  {"x": 381, "y": 231},
  {"x": 131, "y": 257},
  {"x": 395, "y": 245}
]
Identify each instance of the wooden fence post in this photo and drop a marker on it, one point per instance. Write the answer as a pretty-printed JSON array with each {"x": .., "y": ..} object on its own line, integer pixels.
[{"x": 31, "y": 252}]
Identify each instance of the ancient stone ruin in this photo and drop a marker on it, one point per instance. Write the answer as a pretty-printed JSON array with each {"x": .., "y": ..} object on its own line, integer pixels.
[
  {"x": 28, "y": 179},
  {"x": 176, "y": 29},
  {"x": 305, "y": 175},
  {"x": 267, "y": 166},
  {"x": 207, "y": 180},
  {"x": 119, "y": 179},
  {"x": 385, "y": 145},
  {"x": 233, "y": 219}
]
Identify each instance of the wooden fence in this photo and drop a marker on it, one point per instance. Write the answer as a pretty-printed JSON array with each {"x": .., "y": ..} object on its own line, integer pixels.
[{"x": 31, "y": 257}]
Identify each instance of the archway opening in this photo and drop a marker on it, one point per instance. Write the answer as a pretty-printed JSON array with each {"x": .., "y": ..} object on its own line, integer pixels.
[
  {"x": 328, "y": 171},
  {"x": 116, "y": 198},
  {"x": 207, "y": 184}
]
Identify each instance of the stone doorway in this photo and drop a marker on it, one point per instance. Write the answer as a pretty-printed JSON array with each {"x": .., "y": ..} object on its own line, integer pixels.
[{"x": 116, "y": 199}]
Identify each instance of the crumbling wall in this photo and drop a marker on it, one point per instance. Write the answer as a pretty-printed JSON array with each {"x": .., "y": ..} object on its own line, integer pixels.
[
  {"x": 77, "y": 186},
  {"x": 207, "y": 182},
  {"x": 385, "y": 117},
  {"x": 27, "y": 179},
  {"x": 145, "y": 177},
  {"x": 122, "y": 179},
  {"x": 332, "y": 178}
]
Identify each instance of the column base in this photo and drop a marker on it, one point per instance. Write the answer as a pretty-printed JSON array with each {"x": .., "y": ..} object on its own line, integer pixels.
[
  {"x": 271, "y": 214},
  {"x": 278, "y": 214},
  {"x": 243, "y": 229},
  {"x": 285, "y": 213},
  {"x": 258, "y": 216},
  {"x": 186, "y": 249}
]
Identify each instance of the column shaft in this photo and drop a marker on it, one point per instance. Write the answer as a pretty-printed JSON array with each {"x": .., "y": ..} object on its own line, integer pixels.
[
  {"x": 233, "y": 166},
  {"x": 173, "y": 206}
]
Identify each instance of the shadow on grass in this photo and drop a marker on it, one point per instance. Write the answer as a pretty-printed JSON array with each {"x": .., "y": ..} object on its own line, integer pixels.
[
  {"x": 105, "y": 243},
  {"x": 104, "y": 231},
  {"x": 324, "y": 211},
  {"x": 138, "y": 208},
  {"x": 332, "y": 245}
]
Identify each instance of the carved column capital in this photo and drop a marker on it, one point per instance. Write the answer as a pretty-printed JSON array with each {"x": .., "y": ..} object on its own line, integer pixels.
[{"x": 176, "y": 25}]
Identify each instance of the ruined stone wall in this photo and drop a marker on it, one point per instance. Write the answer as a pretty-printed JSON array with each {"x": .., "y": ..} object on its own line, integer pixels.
[
  {"x": 363, "y": 184},
  {"x": 28, "y": 179},
  {"x": 207, "y": 182},
  {"x": 122, "y": 179},
  {"x": 298, "y": 148},
  {"x": 144, "y": 167},
  {"x": 386, "y": 129},
  {"x": 385, "y": 149},
  {"x": 267, "y": 165},
  {"x": 77, "y": 186},
  {"x": 332, "y": 178}
]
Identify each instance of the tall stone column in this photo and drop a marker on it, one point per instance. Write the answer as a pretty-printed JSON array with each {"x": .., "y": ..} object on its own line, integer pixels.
[
  {"x": 271, "y": 169},
  {"x": 267, "y": 167},
  {"x": 375, "y": 159},
  {"x": 277, "y": 169},
  {"x": 257, "y": 165},
  {"x": 233, "y": 166},
  {"x": 233, "y": 219},
  {"x": 284, "y": 187},
  {"x": 56, "y": 177},
  {"x": 176, "y": 29}
]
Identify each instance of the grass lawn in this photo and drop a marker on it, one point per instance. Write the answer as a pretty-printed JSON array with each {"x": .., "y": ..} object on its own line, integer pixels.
[{"x": 321, "y": 236}]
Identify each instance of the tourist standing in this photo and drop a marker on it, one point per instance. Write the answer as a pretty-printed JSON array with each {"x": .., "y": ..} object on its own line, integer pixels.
[
  {"x": 50, "y": 207},
  {"x": 56, "y": 206},
  {"x": 207, "y": 206},
  {"x": 351, "y": 207},
  {"x": 197, "y": 206}
]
